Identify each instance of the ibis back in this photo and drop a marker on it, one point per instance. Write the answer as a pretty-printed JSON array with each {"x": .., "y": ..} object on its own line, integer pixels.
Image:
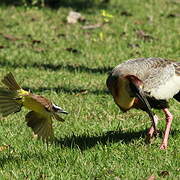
[{"x": 161, "y": 77}]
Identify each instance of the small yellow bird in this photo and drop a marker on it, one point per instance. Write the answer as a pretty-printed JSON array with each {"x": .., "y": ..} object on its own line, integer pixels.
[{"x": 13, "y": 98}]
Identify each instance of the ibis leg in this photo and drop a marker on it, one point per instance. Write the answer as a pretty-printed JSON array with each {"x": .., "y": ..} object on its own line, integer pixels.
[{"x": 169, "y": 119}]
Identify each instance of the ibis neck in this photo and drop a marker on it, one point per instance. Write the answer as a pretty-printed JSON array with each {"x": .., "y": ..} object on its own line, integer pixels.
[{"x": 122, "y": 95}]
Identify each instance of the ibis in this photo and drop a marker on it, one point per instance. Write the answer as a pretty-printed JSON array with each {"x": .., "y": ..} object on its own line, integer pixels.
[{"x": 146, "y": 83}]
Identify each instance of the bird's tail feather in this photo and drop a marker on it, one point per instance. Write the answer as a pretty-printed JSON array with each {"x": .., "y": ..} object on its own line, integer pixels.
[
  {"x": 8, "y": 103},
  {"x": 41, "y": 126},
  {"x": 10, "y": 82}
]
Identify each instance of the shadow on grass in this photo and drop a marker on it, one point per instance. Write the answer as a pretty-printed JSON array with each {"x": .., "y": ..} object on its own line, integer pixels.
[
  {"x": 84, "y": 142},
  {"x": 67, "y": 90},
  {"x": 55, "y": 4},
  {"x": 53, "y": 67}
]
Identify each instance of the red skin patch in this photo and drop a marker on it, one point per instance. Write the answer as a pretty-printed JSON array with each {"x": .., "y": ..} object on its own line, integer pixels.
[{"x": 135, "y": 80}]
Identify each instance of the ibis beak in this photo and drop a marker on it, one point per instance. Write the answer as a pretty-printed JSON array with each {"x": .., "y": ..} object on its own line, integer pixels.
[
  {"x": 143, "y": 99},
  {"x": 141, "y": 96},
  {"x": 138, "y": 92}
]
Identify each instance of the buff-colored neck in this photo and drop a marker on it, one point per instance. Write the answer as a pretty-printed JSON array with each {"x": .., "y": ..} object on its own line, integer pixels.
[{"x": 122, "y": 95}]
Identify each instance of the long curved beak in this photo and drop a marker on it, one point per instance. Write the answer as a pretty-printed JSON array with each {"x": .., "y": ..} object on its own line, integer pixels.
[
  {"x": 135, "y": 86},
  {"x": 141, "y": 96},
  {"x": 138, "y": 92}
]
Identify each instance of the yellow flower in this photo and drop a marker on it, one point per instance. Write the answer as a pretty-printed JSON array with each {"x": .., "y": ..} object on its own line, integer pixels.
[{"x": 105, "y": 14}]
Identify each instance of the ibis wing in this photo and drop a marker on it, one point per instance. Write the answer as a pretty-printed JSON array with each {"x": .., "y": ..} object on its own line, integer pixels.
[
  {"x": 177, "y": 68},
  {"x": 41, "y": 125},
  {"x": 161, "y": 77},
  {"x": 163, "y": 80}
]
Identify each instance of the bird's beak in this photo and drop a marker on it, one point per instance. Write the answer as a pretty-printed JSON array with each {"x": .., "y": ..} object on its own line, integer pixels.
[
  {"x": 136, "y": 88},
  {"x": 143, "y": 99},
  {"x": 58, "y": 109},
  {"x": 62, "y": 111}
]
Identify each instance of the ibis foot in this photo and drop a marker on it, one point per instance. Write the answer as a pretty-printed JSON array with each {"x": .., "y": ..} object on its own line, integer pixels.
[
  {"x": 163, "y": 146},
  {"x": 153, "y": 129},
  {"x": 151, "y": 134}
]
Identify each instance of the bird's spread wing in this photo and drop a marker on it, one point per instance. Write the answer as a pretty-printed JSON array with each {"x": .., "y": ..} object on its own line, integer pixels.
[
  {"x": 10, "y": 82},
  {"x": 8, "y": 102},
  {"x": 41, "y": 125}
]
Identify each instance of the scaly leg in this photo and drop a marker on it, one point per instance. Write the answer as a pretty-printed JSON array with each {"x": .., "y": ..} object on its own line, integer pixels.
[{"x": 169, "y": 119}]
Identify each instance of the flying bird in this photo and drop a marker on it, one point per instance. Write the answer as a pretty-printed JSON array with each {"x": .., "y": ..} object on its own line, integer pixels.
[
  {"x": 146, "y": 83},
  {"x": 13, "y": 98}
]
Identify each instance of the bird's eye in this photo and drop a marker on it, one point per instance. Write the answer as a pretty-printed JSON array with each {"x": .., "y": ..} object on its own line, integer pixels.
[
  {"x": 47, "y": 109},
  {"x": 55, "y": 108}
]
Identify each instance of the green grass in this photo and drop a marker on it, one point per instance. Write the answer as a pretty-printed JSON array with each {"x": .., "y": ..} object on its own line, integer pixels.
[{"x": 96, "y": 141}]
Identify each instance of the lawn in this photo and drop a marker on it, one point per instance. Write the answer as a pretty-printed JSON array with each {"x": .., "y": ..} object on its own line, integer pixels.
[{"x": 69, "y": 65}]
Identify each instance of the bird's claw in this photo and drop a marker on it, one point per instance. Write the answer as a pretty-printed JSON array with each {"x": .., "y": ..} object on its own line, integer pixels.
[
  {"x": 156, "y": 133},
  {"x": 163, "y": 146},
  {"x": 151, "y": 134}
]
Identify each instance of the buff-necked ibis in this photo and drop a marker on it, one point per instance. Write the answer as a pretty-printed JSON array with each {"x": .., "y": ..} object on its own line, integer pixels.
[{"x": 146, "y": 83}]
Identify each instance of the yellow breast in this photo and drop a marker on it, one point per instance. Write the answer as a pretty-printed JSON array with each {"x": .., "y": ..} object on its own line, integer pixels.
[{"x": 33, "y": 105}]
